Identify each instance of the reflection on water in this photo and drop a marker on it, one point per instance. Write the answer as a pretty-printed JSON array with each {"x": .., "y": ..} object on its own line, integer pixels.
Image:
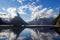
[{"x": 29, "y": 34}]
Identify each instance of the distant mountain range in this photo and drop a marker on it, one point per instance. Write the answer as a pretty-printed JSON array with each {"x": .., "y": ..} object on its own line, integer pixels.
[
  {"x": 17, "y": 20},
  {"x": 41, "y": 21}
]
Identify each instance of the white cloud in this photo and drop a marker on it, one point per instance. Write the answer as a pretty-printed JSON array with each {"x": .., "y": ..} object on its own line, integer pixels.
[
  {"x": 49, "y": 13},
  {"x": 30, "y": 7},
  {"x": 20, "y": 10},
  {"x": 38, "y": 14},
  {"x": 35, "y": 8},
  {"x": 3, "y": 9},
  {"x": 37, "y": 11},
  {"x": 3, "y": 15},
  {"x": 20, "y": 1},
  {"x": 33, "y": 3},
  {"x": 44, "y": 13},
  {"x": 55, "y": 15},
  {"x": 12, "y": 12}
]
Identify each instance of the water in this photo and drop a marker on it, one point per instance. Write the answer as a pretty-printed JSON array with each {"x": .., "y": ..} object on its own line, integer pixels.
[{"x": 56, "y": 38}]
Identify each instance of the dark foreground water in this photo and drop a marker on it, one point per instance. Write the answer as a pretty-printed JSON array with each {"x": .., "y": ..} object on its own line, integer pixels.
[
  {"x": 58, "y": 38},
  {"x": 29, "y": 34}
]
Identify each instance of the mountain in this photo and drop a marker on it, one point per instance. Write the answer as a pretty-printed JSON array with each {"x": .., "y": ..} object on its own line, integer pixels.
[
  {"x": 42, "y": 21},
  {"x": 18, "y": 21},
  {"x": 1, "y": 22}
]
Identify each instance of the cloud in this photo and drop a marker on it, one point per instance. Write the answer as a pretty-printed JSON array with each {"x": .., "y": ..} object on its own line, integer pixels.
[
  {"x": 12, "y": 12},
  {"x": 3, "y": 15},
  {"x": 3, "y": 9},
  {"x": 30, "y": 7},
  {"x": 33, "y": 3},
  {"x": 20, "y": 10},
  {"x": 55, "y": 15},
  {"x": 37, "y": 11},
  {"x": 9, "y": 14},
  {"x": 35, "y": 8},
  {"x": 49, "y": 13},
  {"x": 38, "y": 14},
  {"x": 43, "y": 13},
  {"x": 20, "y": 1}
]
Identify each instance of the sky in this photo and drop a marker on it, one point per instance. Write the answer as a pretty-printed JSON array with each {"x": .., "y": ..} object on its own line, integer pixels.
[{"x": 29, "y": 9}]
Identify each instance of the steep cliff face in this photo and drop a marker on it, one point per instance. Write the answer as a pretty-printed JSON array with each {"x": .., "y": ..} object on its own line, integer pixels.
[
  {"x": 57, "y": 20},
  {"x": 1, "y": 22},
  {"x": 18, "y": 21}
]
